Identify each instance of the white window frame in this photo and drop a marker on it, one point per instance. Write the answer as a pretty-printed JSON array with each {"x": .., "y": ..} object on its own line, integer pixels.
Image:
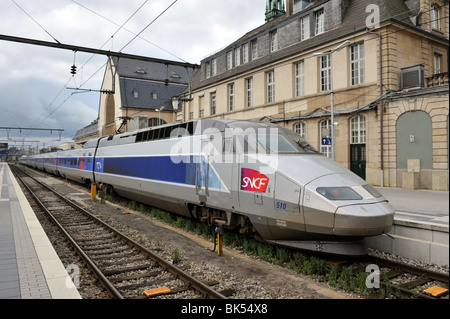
[
  {"x": 237, "y": 56},
  {"x": 229, "y": 60},
  {"x": 231, "y": 92},
  {"x": 358, "y": 133},
  {"x": 305, "y": 32},
  {"x": 214, "y": 67},
  {"x": 300, "y": 79},
  {"x": 249, "y": 84},
  {"x": 325, "y": 73},
  {"x": 270, "y": 86},
  {"x": 300, "y": 128},
  {"x": 254, "y": 45},
  {"x": 325, "y": 129},
  {"x": 273, "y": 41},
  {"x": 213, "y": 104},
  {"x": 245, "y": 52},
  {"x": 357, "y": 57},
  {"x": 201, "y": 107},
  {"x": 437, "y": 63},
  {"x": 319, "y": 17},
  {"x": 435, "y": 17},
  {"x": 208, "y": 69}
]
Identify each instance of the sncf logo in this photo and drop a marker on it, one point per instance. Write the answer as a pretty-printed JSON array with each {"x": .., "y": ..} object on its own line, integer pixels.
[{"x": 253, "y": 181}]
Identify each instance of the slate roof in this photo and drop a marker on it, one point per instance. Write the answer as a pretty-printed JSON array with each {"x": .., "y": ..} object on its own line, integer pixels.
[
  {"x": 152, "y": 71},
  {"x": 145, "y": 90},
  {"x": 353, "y": 20},
  {"x": 88, "y": 130},
  {"x": 146, "y": 78}
]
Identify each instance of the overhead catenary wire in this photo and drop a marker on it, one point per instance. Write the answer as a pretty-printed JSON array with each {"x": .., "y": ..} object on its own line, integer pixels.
[
  {"x": 137, "y": 35},
  {"x": 119, "y": 51},
  {"x": 66, "y": 99},
  {"x": 40, "y": 119},
  {"x": 23, "y": 10},
  {"x": 112, "y": 36},
  {"x": 125, "y": 29}
]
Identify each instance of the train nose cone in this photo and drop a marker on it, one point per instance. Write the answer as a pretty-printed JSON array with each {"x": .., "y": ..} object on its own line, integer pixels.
[{"x": 364, "y": 219}]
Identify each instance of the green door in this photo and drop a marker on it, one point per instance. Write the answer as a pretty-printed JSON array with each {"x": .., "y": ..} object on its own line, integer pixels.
[{"x": 358, "y": 159}]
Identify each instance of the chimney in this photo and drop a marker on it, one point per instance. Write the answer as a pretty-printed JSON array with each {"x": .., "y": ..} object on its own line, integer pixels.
[{"x": 289, "y": 7}]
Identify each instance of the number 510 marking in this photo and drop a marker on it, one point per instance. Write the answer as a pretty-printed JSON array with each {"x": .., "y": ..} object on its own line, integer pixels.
[{"x": 281, "y": 205}]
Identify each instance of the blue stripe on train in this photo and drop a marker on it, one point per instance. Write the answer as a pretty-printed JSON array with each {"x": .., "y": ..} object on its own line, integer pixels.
[{"x": 160, "y": 168}]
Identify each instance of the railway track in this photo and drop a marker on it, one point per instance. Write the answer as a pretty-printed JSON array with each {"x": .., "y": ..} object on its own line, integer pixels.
[
  {"x": 124, "y": 267},
  {"x": 400, "y": 280}
]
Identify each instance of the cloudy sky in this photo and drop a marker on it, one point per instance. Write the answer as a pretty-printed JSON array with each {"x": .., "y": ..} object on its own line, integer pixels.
[{"x": 35, "y": 82}]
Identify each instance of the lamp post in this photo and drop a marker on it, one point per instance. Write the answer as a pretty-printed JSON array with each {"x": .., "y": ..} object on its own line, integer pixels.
[
  {"x": 159, "y": 114},
  {"x": 330, "y": 57}
]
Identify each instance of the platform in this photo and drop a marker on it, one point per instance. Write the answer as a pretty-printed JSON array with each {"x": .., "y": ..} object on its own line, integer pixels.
[
  {"x": 421, "y": 225},
  {"x": 29, "y": 266}
]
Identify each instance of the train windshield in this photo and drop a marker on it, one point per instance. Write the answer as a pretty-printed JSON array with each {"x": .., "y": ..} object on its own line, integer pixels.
[
  {"x": 284, "y": 143},
  {"x": 267, "y": 138}
]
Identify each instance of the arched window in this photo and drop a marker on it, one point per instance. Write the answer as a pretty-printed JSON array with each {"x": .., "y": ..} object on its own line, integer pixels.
[
  {"x": 155, "y": 122},
  {"x": 300, "y": 128}
]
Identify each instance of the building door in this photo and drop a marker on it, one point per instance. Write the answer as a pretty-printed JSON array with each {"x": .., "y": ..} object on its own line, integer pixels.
[
  {"x": 415, "y": 139},
  {"x": 358, "y": 146},
  {"x": 358, "y": 160}
]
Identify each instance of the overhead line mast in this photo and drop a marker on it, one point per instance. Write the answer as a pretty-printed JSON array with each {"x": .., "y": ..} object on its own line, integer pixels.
[{"x": 95, "y": 51}]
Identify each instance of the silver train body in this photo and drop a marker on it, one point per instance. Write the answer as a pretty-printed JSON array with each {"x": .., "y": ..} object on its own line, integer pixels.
[{"x": 254, "y": 177}]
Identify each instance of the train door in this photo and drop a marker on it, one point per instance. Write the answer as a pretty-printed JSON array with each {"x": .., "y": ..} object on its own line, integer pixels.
[
  {"x": 288, "y": 221},
  {"x": 202, "y": 174}
]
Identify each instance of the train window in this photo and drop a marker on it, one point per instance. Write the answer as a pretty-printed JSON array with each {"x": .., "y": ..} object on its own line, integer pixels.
[
  {"x": 228, "y": 147},
  {"x": 161, "y": 133},
  {"x": 372, "y": 191},
  {"x": 178, "y": 131},
  {"x": 339, "y": 193},
  {"x": 156, "y": 134},
  {"x": 190, "y": 128},
  {"x": 168, "y": 132}
]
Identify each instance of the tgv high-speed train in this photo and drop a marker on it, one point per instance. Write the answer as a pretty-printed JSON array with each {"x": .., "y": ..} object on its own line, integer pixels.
[{"x": 254, "y": 177}]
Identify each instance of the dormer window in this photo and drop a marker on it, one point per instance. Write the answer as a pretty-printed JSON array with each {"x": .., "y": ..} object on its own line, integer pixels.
[
  {"x": 140, "y": 70},
  {"x": 273, "y": 41},
  {"x": 214, "y": 67},
  {"x": 320, "y": 21},
  {"x": 208, "y": 69}
]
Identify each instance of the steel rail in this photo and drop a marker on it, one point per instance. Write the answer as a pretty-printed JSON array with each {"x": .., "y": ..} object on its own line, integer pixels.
[
  {"x": 195, "y": 283},
  {"x": 426, "y": 273},
  {"x": 105, "y": 282}
]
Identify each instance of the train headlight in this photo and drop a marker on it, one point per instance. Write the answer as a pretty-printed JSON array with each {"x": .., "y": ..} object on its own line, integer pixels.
[{"x": 339, "y": 193}]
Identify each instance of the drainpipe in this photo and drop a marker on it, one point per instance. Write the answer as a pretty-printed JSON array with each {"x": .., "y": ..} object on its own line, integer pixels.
[{"x": 382, "y": 110}]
